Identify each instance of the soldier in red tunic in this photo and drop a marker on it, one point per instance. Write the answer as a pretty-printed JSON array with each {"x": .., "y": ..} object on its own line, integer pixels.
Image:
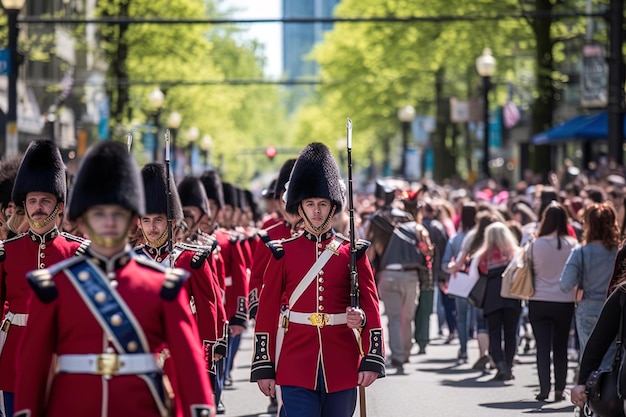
[
  {"x": 105, "y": 314},
  {"x": 8, "y": 172},
  {"x": 40, "y": 189},
  {"x": 205, "y": 296},
  {"x": 315, "y": 357}
]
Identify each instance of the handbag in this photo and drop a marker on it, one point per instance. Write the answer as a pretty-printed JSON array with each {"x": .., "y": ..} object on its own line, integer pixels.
[
  {"x": 461, "y": 282},
  {"x": 603, "y": 398},
  {"x": 476, "y": 296},
  {"x": 518, "y": 277}
]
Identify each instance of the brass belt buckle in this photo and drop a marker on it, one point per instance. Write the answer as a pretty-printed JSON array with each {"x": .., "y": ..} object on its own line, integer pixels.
[
  {"x": 318, "y": 319},
  {"x": 108, "y": 364}
]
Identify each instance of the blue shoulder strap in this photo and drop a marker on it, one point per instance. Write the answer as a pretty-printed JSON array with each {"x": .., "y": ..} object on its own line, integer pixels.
[{"x": 108, "y": 308}]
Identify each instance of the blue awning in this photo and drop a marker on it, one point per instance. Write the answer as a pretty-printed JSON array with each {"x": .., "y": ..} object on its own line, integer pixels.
[{"x": 593, "y": 126}]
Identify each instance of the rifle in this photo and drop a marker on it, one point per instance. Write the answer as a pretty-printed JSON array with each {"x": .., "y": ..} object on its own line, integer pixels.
[
  {"x": 168, "y": 200},
  {"x": 354, "y": 276}
]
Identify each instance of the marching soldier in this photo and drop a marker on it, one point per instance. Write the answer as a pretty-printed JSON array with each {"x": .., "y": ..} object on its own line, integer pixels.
[
  {"x": 196, "y": 210},
  {"x": 202, "y": 287},
  {"x": 315, "y": 357},
  {"x": 39, "y": 190},
  {"x": 236, "y": 276},
  {"x": 106, "y": 313}
]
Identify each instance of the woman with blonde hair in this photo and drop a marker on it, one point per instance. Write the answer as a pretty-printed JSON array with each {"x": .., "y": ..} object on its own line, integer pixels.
[
  {"x": 590, "y": 267},
  {"x": 502, "y": 314}
]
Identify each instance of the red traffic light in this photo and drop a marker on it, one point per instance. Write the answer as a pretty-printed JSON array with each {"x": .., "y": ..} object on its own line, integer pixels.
[{"x": 270, "y": 152}]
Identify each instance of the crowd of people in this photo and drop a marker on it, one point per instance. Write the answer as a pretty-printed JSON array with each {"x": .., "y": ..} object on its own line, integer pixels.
[{"x": 134, "y": 295}]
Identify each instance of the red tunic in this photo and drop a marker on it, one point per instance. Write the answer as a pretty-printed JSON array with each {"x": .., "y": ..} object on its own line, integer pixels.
[
  {"x": 305, "y": 347},
  {"x": 19, "y": 256},
  {"x": 65, "y": 325},
  {"x": 261, "y": 257},
  {"x": 236, "y": 278}
]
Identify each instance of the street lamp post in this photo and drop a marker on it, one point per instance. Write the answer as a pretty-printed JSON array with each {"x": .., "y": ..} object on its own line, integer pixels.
[
  {"x": 406, "y": 115},
  {"x": 486, "y": 67},
  {"x": 173, "y": 123},
  {"x": 12, "y": 8},
  {"x": 205, "y": 144},
  {"x": 156, "y": 100},
  {"x": 192, "y": 135}
]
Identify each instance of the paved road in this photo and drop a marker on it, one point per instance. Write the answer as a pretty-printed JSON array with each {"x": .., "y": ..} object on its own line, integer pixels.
[{"x": 433, "y": 385}]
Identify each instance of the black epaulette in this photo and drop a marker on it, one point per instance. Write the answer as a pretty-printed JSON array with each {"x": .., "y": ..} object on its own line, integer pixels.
[
  {"x": 16, "y": 237},
  {"x": 200, "y": 254},
  {"x": 263, "y": 235},
  {"x": 82, "y": 248},
  {"x": 276, "y": 246},
  {"x": 40, "y": 280},
  {"x": 174, "y": 279}
]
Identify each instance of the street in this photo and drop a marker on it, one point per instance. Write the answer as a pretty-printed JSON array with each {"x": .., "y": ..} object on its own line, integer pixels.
[{"x": 434, "y": 384}]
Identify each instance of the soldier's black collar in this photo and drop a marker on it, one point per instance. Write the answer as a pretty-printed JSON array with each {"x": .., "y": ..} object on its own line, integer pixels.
[
  {"x": 111, "y": 264},
  {"x": 46, "y": 237},
  {"x": 324, "y": 236},
  {"x": 159, "y": 252}
]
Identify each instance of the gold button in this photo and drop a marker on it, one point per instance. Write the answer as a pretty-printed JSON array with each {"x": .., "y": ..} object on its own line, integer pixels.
[
  {"x": 321, "y": 288},
  {"x": 159, "y": 259},
  {"x": 321, "y": 272},
  {"x": 114, "y": 284},
  {"x": 111, "y": 275},
  {"x": 205, "y": 413},
  {"x": 319, "y": 245},
  {"x": 100, "y": 297},
  {"x": 42, "y": 265},
  {"x": 33, "y": 238},
  {"x": 168, "y": 284},
  {"x": 83, "y": 275},
  {"x": 42, "y": 246},
  {"x": 321, "y": 298},
  {"x": 116, "y": 320},
  {"x": 321, "y": 308},
  {"x": 321, "y": 280},
  {"x": 131, "y": 346},
  {"x": 42, "y": 255}
]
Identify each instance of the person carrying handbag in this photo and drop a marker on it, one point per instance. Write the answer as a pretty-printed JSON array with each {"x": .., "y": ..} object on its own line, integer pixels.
[{"x": 551, "y": 310}]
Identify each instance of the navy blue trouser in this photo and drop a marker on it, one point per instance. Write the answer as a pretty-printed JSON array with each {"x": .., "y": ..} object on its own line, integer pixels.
[
  {"x": 6, "y": 404},
  {"x": 302, "y": 402}
]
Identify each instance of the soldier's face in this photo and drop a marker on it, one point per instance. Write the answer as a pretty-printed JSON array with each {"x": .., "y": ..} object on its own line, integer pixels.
[
  {"x": 40, "y": 205},
  {"x": 107, "y": 225},
  {"x": 154, "y": 226},
  {"x": 316, "y": 210}
]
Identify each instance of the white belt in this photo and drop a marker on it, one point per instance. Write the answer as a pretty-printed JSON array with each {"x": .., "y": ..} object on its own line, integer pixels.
[
  {"x": 12, "y": 319},
  {"x": 108, "y": 364},
  {"x": 316, "y": 319}
]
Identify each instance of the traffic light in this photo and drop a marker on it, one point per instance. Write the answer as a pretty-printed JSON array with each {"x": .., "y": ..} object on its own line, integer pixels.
[{"x": 270, "y": 152}]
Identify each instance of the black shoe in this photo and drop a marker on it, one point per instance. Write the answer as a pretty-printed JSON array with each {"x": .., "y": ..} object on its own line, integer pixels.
[
  {"x": 220, "y": 408},
  {"x": 422, "y": 351},
  {"x": 559, "y": 396},
  {"x": 481, "y": 363},
  {"x": 541, "y": 397}
]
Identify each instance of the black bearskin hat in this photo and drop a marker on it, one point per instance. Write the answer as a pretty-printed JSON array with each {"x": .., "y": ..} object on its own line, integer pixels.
[
  {"x": 231, "y": 195},
  {"x": 8, "y": 172},
  {"x": 108, "y": 174},
  {"x": 315, "y": 175},
  {"x": 191, "y": 193},
  {"x": 41, "y": 170},
  {"x": 283, "y": 177},
  {"x": 268, "y": 193},
  {"x": 213, "y": 186},
  {"x": 384, "y": 192},
  {"x": 254, "y": 208},
  {"x": 155, "y": 190}
]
